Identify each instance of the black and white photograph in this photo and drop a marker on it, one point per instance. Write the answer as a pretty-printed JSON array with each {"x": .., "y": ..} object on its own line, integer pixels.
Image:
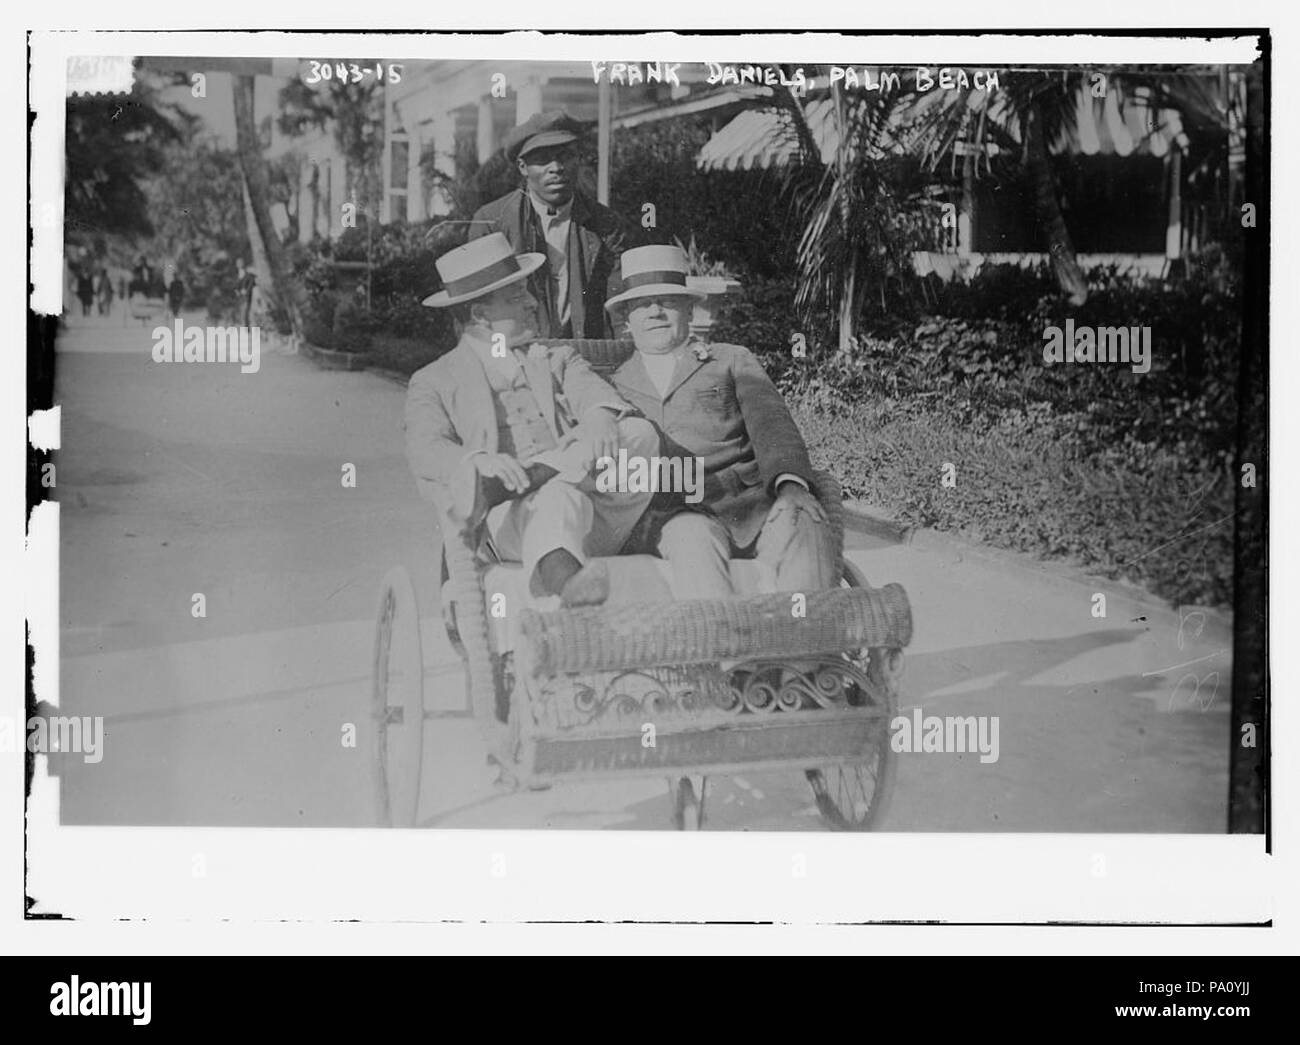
[{"x": 869, "y": 441}]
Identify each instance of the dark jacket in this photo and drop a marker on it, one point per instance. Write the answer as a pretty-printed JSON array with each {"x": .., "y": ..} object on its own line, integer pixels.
[
  {"x": 597, "y": 239},
  {"x": 725, "y": 410}
]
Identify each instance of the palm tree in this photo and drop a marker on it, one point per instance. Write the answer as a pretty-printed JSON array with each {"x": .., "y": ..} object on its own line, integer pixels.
[
  {"x": 852, "y": 232},
  {"x": 284, "y": 287},
  {"x": 845, "y": 239},
  {"x": 1039, "y": 109},
  {"x": 1031, "y": 111}
]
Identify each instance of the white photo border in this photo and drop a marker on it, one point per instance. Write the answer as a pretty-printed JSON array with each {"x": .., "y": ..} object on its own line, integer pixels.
[{"x": 311, "y": 876}]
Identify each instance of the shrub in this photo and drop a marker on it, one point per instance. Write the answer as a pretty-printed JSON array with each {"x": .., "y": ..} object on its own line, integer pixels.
[
  {"x": 352, "y": 325},
  {"x": 1023, "y": 484},
  {"x": 988, "y": 349},
  {"x": 760, "y": 317},
  {"x": 734, "y": 215},
  {"x": 1088, "y": 462},
  {"x": 402, "y": 275},
  {"x": 401, "y": 354}
]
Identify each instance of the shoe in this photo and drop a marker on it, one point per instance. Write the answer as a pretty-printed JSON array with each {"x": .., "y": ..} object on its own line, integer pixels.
[{"x": 588, "y": 587}]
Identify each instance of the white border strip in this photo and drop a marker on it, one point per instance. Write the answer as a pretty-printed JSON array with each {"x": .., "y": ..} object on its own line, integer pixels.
[{"x": 314, "y": 875}]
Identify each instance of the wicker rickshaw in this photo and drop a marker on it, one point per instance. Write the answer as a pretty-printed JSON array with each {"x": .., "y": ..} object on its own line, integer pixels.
[{"x": 653, "y": 687}]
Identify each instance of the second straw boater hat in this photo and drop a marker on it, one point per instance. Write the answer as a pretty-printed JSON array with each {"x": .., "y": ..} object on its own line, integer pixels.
[
  {"x": 653, "y": 272},
  {"x": 480, "y": 267}
]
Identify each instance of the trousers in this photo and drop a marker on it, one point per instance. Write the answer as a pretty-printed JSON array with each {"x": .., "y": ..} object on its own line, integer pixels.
[
  {"x": 573, "y": 516},
  {"x": 798, "y": 549}
]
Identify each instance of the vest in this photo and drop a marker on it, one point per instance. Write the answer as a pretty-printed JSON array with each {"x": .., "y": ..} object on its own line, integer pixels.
[{"x": 522, "y": 429}]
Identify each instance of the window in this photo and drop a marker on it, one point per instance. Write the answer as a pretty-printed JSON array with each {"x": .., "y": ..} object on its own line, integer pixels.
[
  {"x": 398, "y": 175},
  {"x": 401, "y": 158}
]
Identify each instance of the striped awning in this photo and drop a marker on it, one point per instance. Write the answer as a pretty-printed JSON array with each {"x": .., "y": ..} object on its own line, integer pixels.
[
  {"x": 764, "y": 138},
  {"x": 761, "y": 138},
  {"x": 1104, "y": 127}
]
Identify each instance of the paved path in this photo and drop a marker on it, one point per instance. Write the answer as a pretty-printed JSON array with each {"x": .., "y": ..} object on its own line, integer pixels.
[{"x": 177, "y": 479}]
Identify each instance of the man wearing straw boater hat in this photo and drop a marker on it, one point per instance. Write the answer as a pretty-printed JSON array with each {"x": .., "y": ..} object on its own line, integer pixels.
[
  {"x": 504, "y": 432},
  {"x": 716, "y": 403},
  {"x": 579, "y": 238}
]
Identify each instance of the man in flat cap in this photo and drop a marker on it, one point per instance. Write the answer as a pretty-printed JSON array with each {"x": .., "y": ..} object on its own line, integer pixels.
[
  {"x": 580, "y": 239},
  {"x": 502, "y": 434}
]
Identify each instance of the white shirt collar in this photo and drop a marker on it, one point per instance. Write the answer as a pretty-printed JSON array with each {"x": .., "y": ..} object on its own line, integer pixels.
[
  {"x": 543, "y": 209},
  {"x": 507, "y": 364},
  {"x": 661, "y": 368}
]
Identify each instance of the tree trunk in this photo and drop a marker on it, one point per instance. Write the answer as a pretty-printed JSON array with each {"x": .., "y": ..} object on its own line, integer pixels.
[
  {"x": 258, "y": 261},
  {"x": 293, "y": 209},
  {"x": 850, "y": 295},
  {"x": 315, "y": 202},
  {"x": 848, "y": 309},
  {"x": 1059, "y": 245},
  {"x": 284, "y": 287}
]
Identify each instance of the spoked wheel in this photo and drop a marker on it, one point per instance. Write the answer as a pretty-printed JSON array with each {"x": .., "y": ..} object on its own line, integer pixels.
[
  {"x": 855, "y": 796},
  {"x": 853, "y": 577},
  {"x": 688, "y": 805},
  {"x": 397, "y": 703}
]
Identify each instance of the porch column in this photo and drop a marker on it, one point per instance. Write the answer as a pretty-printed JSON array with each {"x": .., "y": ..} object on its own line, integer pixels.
[
  {"x": 337, "y": 198},
  {"x": 1174, "y": 231},
  {"x": 966, "y": 210},
  {"x": 444, "y": 159},
  {"x": 306, "y": 212},
  {"x": 415, "y": 208},
  {"x": 486, "y": 132},
  {"x": 528, "y": 100},
  {"x": 386, "y": 164},
  {"x": 604, "y": 113}
]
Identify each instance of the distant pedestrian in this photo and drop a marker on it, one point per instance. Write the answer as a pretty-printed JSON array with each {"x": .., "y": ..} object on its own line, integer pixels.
[
  {"x": 175, "y": 297},
  {"x": 246, "y": 284},
  {"x": 104, "y": 292},
  {"x": 143, "y": 278},
  {"x": 85, "y": 291}
]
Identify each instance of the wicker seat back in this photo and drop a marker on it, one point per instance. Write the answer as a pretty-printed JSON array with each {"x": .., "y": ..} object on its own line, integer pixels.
[{"x": 603, "y": 354}]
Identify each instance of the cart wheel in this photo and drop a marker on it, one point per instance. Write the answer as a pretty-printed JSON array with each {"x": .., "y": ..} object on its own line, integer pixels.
[
  {"x": 688, "y": 806},
  {"x": 853, "y": 576},
  {"x": 397, "y": 703},
  {"x": 855, "y": 796}
]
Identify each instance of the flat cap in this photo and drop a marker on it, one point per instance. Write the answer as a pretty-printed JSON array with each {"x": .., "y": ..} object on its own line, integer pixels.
[{"x": 546, "y": 128}]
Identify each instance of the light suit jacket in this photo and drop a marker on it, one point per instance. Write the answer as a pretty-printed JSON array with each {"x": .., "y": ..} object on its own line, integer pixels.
[
  {"x": 450, "y": 414},
  {"x": 727, "y": 411}
]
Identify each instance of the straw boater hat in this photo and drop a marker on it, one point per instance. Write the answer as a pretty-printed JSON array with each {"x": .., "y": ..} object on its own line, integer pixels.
[
  {"x": 480, "y": 267},
  {"x": 654, "y": 272}
]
